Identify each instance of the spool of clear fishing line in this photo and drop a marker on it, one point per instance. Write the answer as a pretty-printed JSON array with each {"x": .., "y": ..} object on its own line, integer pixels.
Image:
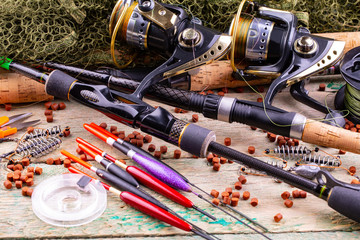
[
  {"x": 61, "y": 201},
  {"x": 348, "y": 97}
]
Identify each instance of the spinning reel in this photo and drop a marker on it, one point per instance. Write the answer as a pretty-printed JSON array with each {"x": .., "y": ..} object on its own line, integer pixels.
[{"x": 262, "y": 43}]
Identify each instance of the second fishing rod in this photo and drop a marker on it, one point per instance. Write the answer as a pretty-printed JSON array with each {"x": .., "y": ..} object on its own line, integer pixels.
[
  {"x": 132, "y": 111},
  {"x": 272, "y": 119}
]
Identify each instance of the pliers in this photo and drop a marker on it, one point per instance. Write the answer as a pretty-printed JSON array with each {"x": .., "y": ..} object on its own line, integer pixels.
[{"x": 6, "y": 129}]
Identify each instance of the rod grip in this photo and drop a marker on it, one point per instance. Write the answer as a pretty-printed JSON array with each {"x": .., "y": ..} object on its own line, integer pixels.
[
  {"x": 329, "y": 136},
  {"x": 59, "y": 84},
  {"x": 345, "y": 201}
]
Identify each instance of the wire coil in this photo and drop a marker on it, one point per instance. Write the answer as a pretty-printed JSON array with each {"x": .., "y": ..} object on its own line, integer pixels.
[
  {"x": 53, "y": 131},
  {"x": 321, "y": 160},
  {"x": 286, "y": 152},
  {"x": 42, "y": 147}
]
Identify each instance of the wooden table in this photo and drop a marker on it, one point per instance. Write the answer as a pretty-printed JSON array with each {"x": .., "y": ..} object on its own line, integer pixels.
[{"x": 309, "y": 218}]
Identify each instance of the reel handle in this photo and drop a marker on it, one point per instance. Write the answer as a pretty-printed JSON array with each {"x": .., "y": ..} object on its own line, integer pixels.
[
  {"x": 345, "y": 201},
  {"x": 330, "y": 136}
]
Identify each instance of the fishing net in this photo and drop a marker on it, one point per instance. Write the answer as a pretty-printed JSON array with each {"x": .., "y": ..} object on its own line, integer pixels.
[{"x": 76, "y": 31}]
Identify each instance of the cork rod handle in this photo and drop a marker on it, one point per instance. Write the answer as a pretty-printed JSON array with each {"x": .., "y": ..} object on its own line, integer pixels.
[{"x": 329, "y": 136}]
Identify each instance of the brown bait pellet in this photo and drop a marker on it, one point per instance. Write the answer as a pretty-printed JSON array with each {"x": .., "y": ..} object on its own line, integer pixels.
[
  {"x": 177, "y": 154},
  {"x": 221, "y": 93},
  {"x": 353, "y": 129},
  {"x": 66, "y": 133},
  {"x": 57, "y": 161},
  {"x": 296, "y": 142},
  {"x": 342, "y": 151},
  {"x": 83, "y": 157},
  {"x": 261, "y": 89},
  {"x": 236, "y": 194},
  {"x": 50, "y": 161},
  {"x": 223, "y": 160},
  {"x": 351, "y": 124},
  {"x": 147, "y": 138},
  {"x": 253, "y": 128},
  {"x": 322, "y": 87},
  {"x": 242, "y": 179},
  {"x": 303, "y": 194},
  {"x": 210, "y": 157},
  {"x": 238, "y": 186},
  {"x": 251, "y": 149},
  {"x": 47, "y": 105},
  {"x": 272, "y": 137},
  {"x": 225, "y": 90},
  {"x": 16, "y": 177},
  {"x": 103, "y": 125},
  {"x": 30, "y": 129},
  {"x": 49, "y": 118},
  {"x": 216, "y": 167},
  {"x": 18, "y": 167},
  {"x": 288, "y": 203},
  {"x": 210, "y": 92},
  {"x": 195, "y": 118},
  {"x": 194, "y": 156},
  {"x": 234, "y": 201},
  {"x": 17, "y": 172},
  {"x": 67, "y": 163},
  {"x": 139, "y": 143},
  {"x": 29, "y": 192},
  {"x": 254, "y": 202},
  {"x": 227, "y": 141},
  {"x": 278, "y": 217},
  {"x": 282, "y": 142},
  {"x": 18, "y": 184},
  {"x": 226, "y": 200},
  {"x": 7, "y": 184},
  {"x": 23, "y": 178},
  {"x": 24, "y": 191},
  {"x": 30, "y": 175},
  {"x": 113, "y": 128},
  {"x": 55, "y": 106},
  {"x": 116, "y": 133},
  {"x": 30, "y": 182},
  {"x": 121, "y": 136},
  {"x": 177, "y": 110},
  {"x": 259, "y": 99},
  {"x": 11, "y": 167},
  {"x": 280, "y": 138},
  {"x": 285, "y": 195},
  {"x": 224, "y": 194},
  {"x": 229, "y": 161},
  {"x": 79, "y": 151},
  {"x": 157, "y": 154},
  {"x": 62, "y": 106},
  {"x": 215, "y": 201},
  {"x": 133, "y": 141},
  {"x": 136, "y": 133},
  {"x": 163, "y": 149},
  {"x": 215, "y": 160},
  {"x": 347, "y": 127},
  {"x": 10, "y": 176},
  {"x": 352, "y": 170},
  {"x": 151, "y": 148},
  {"x": 214, "y": 193},
  {"x": 229, "y": 190},
  {"x": 290, "y": 143},
  {"x": 30, "y": 169},
  {"x": 296, "y": 194},
  {"x": 25, "y": 162},
  {"x": 131, "y": 136},
  {"x": 139, "y": 137},
  {"x": 38, "y": 170},
  {"x": 246, "y": 195},
  {"x": 127, "y": 139},
  {"x": 8, "y": 107}
]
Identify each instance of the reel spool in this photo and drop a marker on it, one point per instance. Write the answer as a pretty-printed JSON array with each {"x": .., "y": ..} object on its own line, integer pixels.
[{"x": 348, "y": 96}]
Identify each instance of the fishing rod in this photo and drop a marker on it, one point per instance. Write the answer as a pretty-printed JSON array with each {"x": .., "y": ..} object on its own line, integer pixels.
[
  {"x": 275, "y": 120},
  {"x": 145, "y": 154},
  {"x": 148, "y": 208},
  {"x": 152, "y": 183},
  {"x": 190, "y": 137}
]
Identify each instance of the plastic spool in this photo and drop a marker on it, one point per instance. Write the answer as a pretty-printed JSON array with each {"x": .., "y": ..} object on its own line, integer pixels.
[
  {"x": 61, "y": 202},
  {"x": 347, "y": 98}
]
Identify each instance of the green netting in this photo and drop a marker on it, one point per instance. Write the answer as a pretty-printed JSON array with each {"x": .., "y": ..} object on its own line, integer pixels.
[{"x": 76, "y": 31}]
